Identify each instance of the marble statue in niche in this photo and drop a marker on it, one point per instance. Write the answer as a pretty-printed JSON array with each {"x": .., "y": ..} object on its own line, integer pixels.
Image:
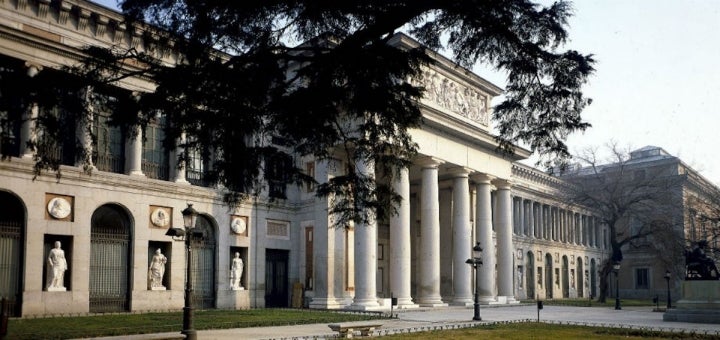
[
  {"x": 156, "y": 271},
  {"x": 57, "y": 266},
  {"x": 236, "y": 271}
]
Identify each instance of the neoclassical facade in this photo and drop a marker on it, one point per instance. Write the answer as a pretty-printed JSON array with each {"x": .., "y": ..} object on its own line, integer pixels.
[{"x": 111, "y": 222}]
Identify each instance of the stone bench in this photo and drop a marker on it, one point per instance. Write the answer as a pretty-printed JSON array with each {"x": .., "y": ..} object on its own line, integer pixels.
[{"x": 346, "y": 329}]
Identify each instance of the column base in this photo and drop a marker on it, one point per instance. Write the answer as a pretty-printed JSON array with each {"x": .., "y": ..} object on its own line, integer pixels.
[
  {"x": 367, "y": 305},
  {"x": 136, "y": 173},
  {"x": 405, "y": 303},
  {"x": 507, "y": 300},
  {"x": 462, "y": 301},
  {"x": 325, "y": 303},
  {"x": 431, "y": 302}
]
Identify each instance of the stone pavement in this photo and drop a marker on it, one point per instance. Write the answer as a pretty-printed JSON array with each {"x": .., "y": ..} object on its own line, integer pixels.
[{"x": 461, "y": 317}]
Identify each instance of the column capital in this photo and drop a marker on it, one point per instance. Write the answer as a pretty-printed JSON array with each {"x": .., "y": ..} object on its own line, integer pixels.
[
  {"x": 428, "y": 162},
  {"x": 482, "y": 178},
  {"x": 459, "y": 171},
  {"x": 502, "y": 184},
  {"x": 33, "y": 68}
]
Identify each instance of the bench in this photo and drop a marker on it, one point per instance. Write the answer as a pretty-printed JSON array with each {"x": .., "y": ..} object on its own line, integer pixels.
[{"x": 346, "y": 329}]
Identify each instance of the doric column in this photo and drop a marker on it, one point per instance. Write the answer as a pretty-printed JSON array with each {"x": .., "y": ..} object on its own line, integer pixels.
[
  {"x": 84, "y": 129},
  {"x": 531, "y": 220},
  {"x": 400, "y": 242},
  {"x": 462, "y": 238},
  {"x": 327, "y": 263},
  {"x": 523, "y": 222},
  {"x": 366, "y": 249},
  {"x": 133, "y": 145},
  {"x": 28, "y": 130},
  {"x": 179, "y": 167},
  {"x": 485, "y": 276},
  {"x": 429, "y": 252},
  {"x": 505, "y": 251}
]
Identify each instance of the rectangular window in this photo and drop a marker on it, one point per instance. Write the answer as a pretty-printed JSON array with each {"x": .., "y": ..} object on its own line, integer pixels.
[
  {"x": 309, "y": 258},
  {"x": 155, "y": 159},
  {"x": 109, "y": 143},
  {"x": 310, "y": 171},
  {"x": 641, "y": 278},
  {"x": 276, "y": 173}
]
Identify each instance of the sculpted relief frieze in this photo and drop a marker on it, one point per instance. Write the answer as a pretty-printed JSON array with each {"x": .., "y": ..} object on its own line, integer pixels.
[{"x": 452, "y": 96}]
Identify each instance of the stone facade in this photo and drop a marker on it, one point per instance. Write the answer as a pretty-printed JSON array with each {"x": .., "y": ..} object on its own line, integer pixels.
[{"x": 458, "y": 192}]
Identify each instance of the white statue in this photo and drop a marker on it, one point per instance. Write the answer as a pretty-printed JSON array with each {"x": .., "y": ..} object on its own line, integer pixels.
[
  {"x": 57, "y": 267},
  {"x": 156, "y": 271},
  {"x": 236, "y": 271}
]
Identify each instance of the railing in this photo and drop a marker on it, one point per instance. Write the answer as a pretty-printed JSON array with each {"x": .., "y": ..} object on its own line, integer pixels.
[
  {"x": 155, "y": 170},
  {"x": 110, "y": 163}
]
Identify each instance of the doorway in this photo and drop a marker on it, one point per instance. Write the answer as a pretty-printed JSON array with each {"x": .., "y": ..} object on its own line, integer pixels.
[{"x": 276, "y": 278}]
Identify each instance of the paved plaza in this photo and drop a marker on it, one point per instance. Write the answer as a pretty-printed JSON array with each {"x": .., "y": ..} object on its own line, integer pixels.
[{"x": 456, "y": 317}]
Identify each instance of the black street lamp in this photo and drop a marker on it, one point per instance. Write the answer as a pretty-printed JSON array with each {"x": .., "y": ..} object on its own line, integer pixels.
[
  {"x": 667, "y": 278},
  {"x": 189, "y": 219},
  {"x": 475, "y": 261},
  {"x": 616, "y": 270}
]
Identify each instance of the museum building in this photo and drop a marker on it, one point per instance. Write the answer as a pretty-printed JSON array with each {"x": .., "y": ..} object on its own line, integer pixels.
[{"x": 110, "y": 223}]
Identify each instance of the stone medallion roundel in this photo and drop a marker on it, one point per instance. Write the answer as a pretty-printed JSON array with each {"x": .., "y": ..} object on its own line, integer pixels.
[
  {"x": 160, "y": 217},
  {"x": 238, "y": 225},
  {"x": 59, "y": 207}
]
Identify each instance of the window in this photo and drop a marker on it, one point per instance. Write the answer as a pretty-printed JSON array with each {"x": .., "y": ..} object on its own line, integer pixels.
[
  {"x": 310, "y": 171},
  {"x": 109, "y": 142},
  {"x": 155, "y": 157},
  {"x": 276, "y": 174},
  {"x": 196, "y": 165},
  {"x": 309, "y": 258},
  {"x": 641, "y": 278}
]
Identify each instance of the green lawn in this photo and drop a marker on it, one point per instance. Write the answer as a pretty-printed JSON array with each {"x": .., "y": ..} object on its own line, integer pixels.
[
  {"x": 120, "y": 324},
  {"x": 539, "y": 331},
  {"x": 610, "y": 302}
]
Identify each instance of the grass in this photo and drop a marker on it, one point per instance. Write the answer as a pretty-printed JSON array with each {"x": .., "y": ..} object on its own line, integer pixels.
[
  {"x": 539, "y": 331},
  {"x": 122, "y": 324},
  {"x": 610, "y": 302}
]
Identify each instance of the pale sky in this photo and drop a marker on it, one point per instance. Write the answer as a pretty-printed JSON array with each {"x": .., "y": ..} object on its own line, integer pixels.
[{"x": 657, "y": 79}]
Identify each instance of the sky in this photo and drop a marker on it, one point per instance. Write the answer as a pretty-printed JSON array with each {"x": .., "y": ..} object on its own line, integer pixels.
[{"x": 657, "y": 78}]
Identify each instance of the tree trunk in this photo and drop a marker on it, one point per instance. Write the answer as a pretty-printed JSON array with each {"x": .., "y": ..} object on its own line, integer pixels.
[{"x": 604, "y": 280}]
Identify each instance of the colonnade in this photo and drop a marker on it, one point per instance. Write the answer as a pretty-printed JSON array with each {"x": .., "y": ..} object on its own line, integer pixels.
[
  {"x": 428, "y": 276},
  {"x": 537, "y": 220},
  {"x": 133, "y": 144}
]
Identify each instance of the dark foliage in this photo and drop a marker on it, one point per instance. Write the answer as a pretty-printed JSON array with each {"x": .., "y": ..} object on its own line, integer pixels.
[{"x": 259, "y": 78}]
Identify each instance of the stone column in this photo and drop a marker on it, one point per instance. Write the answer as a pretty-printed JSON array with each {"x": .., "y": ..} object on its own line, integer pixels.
[
  {"x": 133, "y": 161},
  {"x": 366, "y": 250},
  {"x": 531, "y": 220},
  {"x": 462, "y": 238},
  {"x": 505, "y": 251},
  {"x": 400, "y": 243},
  {"x": 485, "y": 276},
  {"x": 84, "y": 128},
  {"x": 429, "y": 253},
  {"x": 178, "y": 166},
  {"x": 28, "y": 130},
  {"x": 326, "y": 263}
]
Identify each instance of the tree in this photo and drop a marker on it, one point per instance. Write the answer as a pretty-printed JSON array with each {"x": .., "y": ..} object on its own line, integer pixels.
[
  {"x": 322, "y": 77},
  {"x": 640, "y": 202}
]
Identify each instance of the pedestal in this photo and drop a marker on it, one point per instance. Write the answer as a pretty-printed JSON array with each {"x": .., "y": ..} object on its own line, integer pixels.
[{"x": 699, "y": 303}]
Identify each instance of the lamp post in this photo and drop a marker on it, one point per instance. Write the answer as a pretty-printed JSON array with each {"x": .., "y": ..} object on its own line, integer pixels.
[
  {"x": 475, "y": 261},
  {"x": 189, "y": 218},
  {"x": 667, "y": 279},
  {"x": 616, "y": 270}
]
